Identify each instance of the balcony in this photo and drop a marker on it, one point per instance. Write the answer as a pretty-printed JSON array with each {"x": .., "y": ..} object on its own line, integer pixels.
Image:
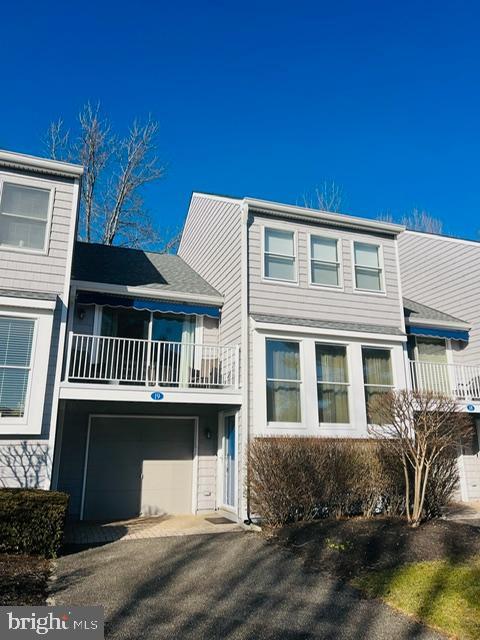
[
  {"x": 461, "y": 382},
  {"x": 151, "y": 364}
]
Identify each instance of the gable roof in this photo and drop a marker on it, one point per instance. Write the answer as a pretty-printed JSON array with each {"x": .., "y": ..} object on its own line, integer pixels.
[
  {"x": 420, "y": 314},
  {"x": 138, "y": 270}
]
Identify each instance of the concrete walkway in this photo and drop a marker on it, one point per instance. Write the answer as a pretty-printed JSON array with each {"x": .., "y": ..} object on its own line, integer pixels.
[
  {"x": 154, "y": 527},
  {"x": 233, "y": 586},
  {"x": 465, "y": 512}
]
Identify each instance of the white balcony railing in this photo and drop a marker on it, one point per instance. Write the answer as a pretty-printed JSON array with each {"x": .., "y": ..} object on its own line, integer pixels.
[
  {"x": 151, "y": 363},
  {"x": 457, "y": 380}
]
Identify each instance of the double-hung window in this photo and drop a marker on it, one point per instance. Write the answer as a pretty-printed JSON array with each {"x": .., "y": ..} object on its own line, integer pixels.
[
  {"x": 279, "y": 255},
  {"x": 368, "y": 269},
  {"x": 16, "y": 340},
  {"x": 377, "y": 374},
  {"x": 283, "y": 381},
  {"x": 324, "y": 261},
  {"x": 24, "y": 213},
  {"x": 332, "y": 383}
]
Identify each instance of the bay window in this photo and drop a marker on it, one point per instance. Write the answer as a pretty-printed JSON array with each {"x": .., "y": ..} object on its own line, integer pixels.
[
  {"x": 24, "y": 212},
  {"x": 332, "y": 383},
  {"x": 367, "y": 265},
  {"x": 16, "y": 340},
  {"x": 283, "y": 381},
  {"x": 377, "y": 374},
  {"x": 324, "y": 261},
  {"x": 279, "y": 255}
]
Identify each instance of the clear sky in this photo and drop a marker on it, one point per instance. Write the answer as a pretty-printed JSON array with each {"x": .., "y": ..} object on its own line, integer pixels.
[{"x": 266, "y": 99}]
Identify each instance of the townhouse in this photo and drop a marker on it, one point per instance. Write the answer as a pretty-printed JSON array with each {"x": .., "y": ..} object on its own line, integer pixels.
[
  {"x": 134, "y": 381},
  {"x": 38, "y": 215}
]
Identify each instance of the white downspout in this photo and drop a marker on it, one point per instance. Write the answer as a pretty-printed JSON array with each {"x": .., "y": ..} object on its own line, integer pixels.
[{"x": 245, "y": 512}]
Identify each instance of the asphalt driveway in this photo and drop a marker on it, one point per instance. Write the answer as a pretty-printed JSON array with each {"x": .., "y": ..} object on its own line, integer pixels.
[{"x": 233, "y": 585}]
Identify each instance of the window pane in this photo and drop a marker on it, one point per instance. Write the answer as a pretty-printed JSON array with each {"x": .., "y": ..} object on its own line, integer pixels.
[
  {"x": 333, "y": 403},
  {"x": 370, "y": 394},
  {"x": 280, "y": 268},
  {"x": 277, "y": 241},
  {"x": 283, "y": 402},
  {"x": 432, "y": 350},
  {"x": 326, "y": 274},
  {"x": 283, "y": 362},
  {"x": 366, "y": 255},
  {"x": 324, "y": 249},
  {"x": 20, "y": 232},
  {"x": 25, "y": 201},
  {"x": 16, "y": 336},
  {"x": 368, "y": 279},
  {"x": 13, "y": 391},
  {"x": 331, "y": 363},
  {"x": 376, "y": 366}
]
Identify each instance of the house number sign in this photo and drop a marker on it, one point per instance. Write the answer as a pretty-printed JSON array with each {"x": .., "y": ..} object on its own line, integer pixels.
[{"x": 157, "y": 395}]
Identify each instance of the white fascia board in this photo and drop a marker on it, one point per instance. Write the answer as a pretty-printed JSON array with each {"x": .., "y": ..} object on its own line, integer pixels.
[
  {"x": 143, "y": 292},
  {"x": 317, "y": 331},
  {"x": 443, "y": 324},
  {"x": 341, "y": 219},
  {"x": 27, "y": 303},
  {"x": 24, "y": 161},
  {"x": 124, "y": 393}
]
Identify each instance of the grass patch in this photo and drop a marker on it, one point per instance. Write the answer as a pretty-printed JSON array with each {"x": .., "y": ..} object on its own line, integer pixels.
[{"x": 441, "y": 593}]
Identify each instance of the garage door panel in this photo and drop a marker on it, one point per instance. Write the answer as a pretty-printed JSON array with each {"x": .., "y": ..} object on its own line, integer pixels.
[{"x": 139, "y": 465}]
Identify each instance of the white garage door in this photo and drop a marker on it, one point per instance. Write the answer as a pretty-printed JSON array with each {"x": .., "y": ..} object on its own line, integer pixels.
[{"x": 138, "y": 466}]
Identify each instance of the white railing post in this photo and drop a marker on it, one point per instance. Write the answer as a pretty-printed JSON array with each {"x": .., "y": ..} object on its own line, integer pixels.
[
  {"x": 237, "y": 366},
  {"x": 69, "y": 356}
]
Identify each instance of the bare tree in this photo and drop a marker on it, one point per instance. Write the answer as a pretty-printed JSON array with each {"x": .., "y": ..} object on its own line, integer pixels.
[
  {"x": 328, "y": 197},
  {"x": 420, "y": 220},
  {"x": 116, "y": 170},
  {"x": 421, "y": 427}
]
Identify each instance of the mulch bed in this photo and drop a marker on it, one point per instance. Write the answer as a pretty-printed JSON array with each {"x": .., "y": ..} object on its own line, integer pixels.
[
  {"x": 23, "y": 580},
  {"x": 352, "y": 546}
]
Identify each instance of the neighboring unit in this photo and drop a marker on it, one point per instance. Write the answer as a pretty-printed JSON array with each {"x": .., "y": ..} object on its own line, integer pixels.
[{"x": 38, "y": 214}]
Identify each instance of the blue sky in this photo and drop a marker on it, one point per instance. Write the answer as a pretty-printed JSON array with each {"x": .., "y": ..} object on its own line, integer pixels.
[{"x": 267, "y": 99}]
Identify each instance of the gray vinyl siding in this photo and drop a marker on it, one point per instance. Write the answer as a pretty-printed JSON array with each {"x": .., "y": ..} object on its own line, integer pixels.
[
  {"x": 211, "y": 246},
  {"x": 310, "y": 302},
  {"x": 443, "y": 273},
  {"x": 74, "y": 436},
  {"x": 35, "y": 272},
  {"x": 24, "y": 463}
]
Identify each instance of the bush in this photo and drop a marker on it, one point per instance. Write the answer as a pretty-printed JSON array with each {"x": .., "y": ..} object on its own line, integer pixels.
[
  {"x": 300, "y": 478},
  {"x": 32, "y": 521},
  {"x": 442, "y": 482}
]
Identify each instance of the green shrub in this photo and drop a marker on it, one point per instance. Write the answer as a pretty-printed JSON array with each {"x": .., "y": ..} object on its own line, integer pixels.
[
  {"x": 302, "y": 478},
  {"x": 32, "y": 521}
]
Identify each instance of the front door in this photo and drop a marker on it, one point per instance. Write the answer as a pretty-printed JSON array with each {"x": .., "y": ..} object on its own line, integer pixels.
[{"x": 229, "y": 460}]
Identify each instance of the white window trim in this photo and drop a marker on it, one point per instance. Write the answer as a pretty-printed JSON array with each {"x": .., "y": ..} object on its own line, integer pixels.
[
  {"x": 318, "y": 285},
  {"x": 275, "y": 227},
  {"x": 286, "y": 425},
  {"x": 31, "y": 421},
  {"x": 348, "y": 356},
  {"x": 381, "y": 267},
  {"x": 36, "y": 184}
]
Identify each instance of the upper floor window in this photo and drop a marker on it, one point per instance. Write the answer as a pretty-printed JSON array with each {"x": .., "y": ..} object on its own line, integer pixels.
[
  {"x": 324, "y": 261},
  {"x": 368, "y": 269},
  {"x": 377, "y": 374},
  {"x": 332, "y": 383},
  {"x": 283, "y": 381},
  {"x": 24, "y": 212},
  {"x": 279, "y": 255},
  {"x": 16, "y": 339}
]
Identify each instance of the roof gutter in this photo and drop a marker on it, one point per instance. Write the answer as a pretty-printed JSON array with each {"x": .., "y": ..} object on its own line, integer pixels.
[
  {"x": 43, "y": 165},
  {"x": 337, "y": 219}
]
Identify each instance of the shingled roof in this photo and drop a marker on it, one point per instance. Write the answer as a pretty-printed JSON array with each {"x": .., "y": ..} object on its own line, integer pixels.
[
  {"x": 417, "y": 313},
  {"x": 135, "y": 268}
]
